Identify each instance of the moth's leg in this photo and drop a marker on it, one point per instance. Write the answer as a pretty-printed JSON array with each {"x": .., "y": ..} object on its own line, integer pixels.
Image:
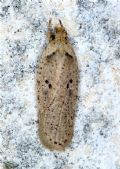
[{"x": 50, "y": 34}]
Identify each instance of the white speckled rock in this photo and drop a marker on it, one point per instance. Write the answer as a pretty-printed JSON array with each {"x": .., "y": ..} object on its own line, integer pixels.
[{"x": 94, "y": 29}]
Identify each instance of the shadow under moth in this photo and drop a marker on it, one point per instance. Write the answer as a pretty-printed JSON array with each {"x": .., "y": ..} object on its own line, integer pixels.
[{"x": 57, "y": 87}]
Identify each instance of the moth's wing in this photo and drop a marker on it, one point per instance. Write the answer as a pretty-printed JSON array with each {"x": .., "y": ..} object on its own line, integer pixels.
[
  {"x": 71, "y": 89},
  {"x": 58, "y": 106},
  {"x": 68, "y": 100},
  {"x": 45, "y": 74},
  {"x": 69, "y": 50}
]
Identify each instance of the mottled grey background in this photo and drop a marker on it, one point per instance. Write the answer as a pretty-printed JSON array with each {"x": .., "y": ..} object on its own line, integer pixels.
[{"x": 94, "y": 30}]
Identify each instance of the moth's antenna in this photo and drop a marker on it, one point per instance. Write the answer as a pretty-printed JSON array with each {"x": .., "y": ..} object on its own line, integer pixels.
[
  {"x": 61, "y": 23},
  {"x": 49, "y": 32},
  {"x": 50, "y": 24}
]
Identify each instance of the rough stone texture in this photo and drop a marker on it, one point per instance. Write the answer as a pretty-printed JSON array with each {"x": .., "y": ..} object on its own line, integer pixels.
[{"x": 94, "y": 30}]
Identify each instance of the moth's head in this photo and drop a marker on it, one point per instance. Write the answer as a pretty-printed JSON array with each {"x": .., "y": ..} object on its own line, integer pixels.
[{"x": 59, "y": 33}]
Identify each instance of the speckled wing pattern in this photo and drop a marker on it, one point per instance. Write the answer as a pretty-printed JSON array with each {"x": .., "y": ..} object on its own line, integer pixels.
[{"x": 57, "y": 85}]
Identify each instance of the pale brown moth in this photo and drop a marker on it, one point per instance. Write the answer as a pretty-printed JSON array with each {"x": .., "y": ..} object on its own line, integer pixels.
[{"x": 57, "y": 87}]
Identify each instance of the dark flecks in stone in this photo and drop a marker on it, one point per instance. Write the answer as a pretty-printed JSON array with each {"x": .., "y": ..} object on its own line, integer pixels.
[
  {"x": 10, "y": 164},
  {"x": 5, "y": 8},
  {"x": 4, "y": 11},
  {"x": 101, "y": 133},
  {"x": 86, "y": 128},
  {"x": 16, "y": 5}
]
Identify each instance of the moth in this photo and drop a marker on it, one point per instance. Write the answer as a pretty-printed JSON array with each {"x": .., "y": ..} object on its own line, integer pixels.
[{"x": 57, "y": 87}]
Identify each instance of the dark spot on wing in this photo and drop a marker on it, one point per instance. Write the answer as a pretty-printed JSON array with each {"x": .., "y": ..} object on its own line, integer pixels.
[
  {"x": 50, "y": 86},
  {"x": 67, "y": 54},
  {"x": 46, "y": 81},
  {"x": 52, "y": 36},
  {"x": 52, "y": 54},
  {"x": 55, "y": 142},
  {"x": 67, "y": 86}
]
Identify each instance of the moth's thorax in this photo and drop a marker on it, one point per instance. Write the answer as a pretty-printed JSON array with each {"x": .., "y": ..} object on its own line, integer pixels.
[
  {"x": 60, "y": 39},
  {"x": 60, "y": 47}
]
